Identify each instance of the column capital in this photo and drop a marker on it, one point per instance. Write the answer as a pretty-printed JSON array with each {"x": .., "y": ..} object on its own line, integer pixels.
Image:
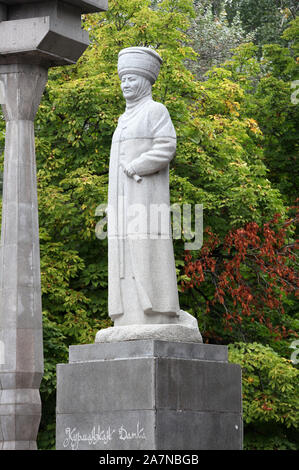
[{"x": 21, "y": 89}]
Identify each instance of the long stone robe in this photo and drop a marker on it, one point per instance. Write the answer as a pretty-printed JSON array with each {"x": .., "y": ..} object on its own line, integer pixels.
[{"x": 142, "y": 277}]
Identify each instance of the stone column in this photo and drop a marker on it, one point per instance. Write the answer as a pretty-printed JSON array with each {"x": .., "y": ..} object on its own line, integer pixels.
[{"x": 21, "y": 367}]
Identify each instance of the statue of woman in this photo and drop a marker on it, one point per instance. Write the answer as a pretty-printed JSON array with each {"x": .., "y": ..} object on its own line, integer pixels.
[{"x": 142, "y": 278}]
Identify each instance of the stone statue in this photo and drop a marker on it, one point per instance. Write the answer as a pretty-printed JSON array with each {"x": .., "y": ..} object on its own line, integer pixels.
[{"x": 142, "y": 278}]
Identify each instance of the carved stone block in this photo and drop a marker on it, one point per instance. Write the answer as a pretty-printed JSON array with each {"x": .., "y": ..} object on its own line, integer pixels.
[{"x": 148, "y": 394}]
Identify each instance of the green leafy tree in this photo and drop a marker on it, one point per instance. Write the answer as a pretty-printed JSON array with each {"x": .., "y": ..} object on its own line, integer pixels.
[
  {"x": 266, "y": 18},
  {"x": 213, "y": 37},
  {"x": 270, "y": 397},
  {"x": 269, "y": 86}
]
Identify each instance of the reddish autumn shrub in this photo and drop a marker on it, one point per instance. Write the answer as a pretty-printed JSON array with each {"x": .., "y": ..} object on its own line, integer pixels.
[{"x": 252, "y": 271}]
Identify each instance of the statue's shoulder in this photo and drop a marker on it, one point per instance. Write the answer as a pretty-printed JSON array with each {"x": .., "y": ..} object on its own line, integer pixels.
[
  {"x": 157, "y": 110},
  {"x": 157, "y": 107}
]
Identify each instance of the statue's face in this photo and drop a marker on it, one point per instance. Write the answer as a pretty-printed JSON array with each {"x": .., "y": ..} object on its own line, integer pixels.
[{"x": 131, "y": 85}]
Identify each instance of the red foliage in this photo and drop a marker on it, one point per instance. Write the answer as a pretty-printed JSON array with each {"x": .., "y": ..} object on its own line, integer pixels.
[{"x": 252, "y": 271}]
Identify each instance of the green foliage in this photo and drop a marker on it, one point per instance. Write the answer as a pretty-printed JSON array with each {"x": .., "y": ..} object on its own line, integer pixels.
[
  {"x": 266, "y": 18},
  {"x": 270, "y": 397},
  {"x": 213, "y": 38},
  {"x": 268, "y": 100},
  {"x": 55, "y": 352},
  {"x": 291, "y": 35}
]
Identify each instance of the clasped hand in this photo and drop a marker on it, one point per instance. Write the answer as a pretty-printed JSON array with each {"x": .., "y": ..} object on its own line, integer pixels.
[{"x": 129, "y": 171}]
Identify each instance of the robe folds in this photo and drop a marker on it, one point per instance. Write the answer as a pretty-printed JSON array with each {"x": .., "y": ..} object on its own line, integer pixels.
[{"x": 140, "y": 242}]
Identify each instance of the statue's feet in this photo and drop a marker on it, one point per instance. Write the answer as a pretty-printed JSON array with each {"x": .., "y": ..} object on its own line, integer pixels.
[
  {"x": 188, "y": 320},
  {"x": 184, "y": 331}
]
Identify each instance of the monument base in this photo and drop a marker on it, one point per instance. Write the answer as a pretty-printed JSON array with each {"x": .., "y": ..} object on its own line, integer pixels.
[
  {"x": 148, "y": 394},
  {"x": 168, "y": 332}
]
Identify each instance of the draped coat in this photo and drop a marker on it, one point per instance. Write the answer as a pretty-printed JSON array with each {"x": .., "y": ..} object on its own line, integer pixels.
[{"x": 146, "y": 139}]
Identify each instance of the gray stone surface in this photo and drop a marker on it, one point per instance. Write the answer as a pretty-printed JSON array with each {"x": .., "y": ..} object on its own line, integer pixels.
[
  {"x": 105, "y": 385},
  {"x": 34, "y": 35},
  {"x": 3, "y": 12},
  {"x": 20, "y": 290},
  {"x": 200, "y": 430},
  {"x": 84, "y": 6},
  {"x": 115, "y": 430},
  {"x": 147, "y": 348},
  {"x": 148, "y": 395},
  {"x": 44, "y": 33},
  {"x": 162, "y": 332},
  {"x": 221, "y": 395}
]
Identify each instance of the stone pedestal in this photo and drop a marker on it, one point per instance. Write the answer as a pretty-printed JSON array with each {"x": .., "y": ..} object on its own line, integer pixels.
[{"x": 148, "y": 394}]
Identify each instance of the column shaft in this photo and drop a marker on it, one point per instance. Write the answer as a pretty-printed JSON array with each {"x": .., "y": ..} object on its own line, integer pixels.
[{"x": 21, "y": 367}]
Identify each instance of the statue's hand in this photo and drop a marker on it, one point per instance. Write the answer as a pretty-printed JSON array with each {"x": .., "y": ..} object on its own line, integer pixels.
[{"x": 129, "y": 171}]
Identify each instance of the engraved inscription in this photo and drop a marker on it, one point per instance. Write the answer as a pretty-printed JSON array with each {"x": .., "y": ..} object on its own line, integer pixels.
[
  {"x": 101, "y": 435},
  {"x": 124, "y": 435}
]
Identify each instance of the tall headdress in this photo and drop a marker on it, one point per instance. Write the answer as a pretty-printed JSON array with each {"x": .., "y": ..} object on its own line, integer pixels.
[{"x": 139, "y": 61}]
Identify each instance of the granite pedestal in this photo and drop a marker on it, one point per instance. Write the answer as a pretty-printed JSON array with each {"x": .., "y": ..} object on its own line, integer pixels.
[{"x": 148, "y": 394}]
